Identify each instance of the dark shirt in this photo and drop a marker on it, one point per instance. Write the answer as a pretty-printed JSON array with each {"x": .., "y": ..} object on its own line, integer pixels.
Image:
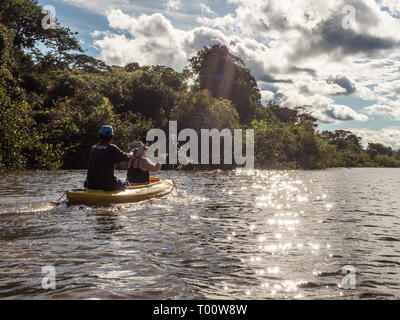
[
  {"x": 102, "y": 160},
  {"x": 137, "y": 175}
]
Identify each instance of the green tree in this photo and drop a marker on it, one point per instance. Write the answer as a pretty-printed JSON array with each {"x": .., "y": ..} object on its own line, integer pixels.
[
  {"x": 382, "y": 155},
  {"x": 347, "y": 143},
  {"x": 226, "y": 76},
  {"x": 151, "y": 91},
  {"x": 24, "y": 19},
  {"x": 307, "y": 152},
  {"x": 199, "y": 110},
  {"x": 131, "y": 67},
  {"x": 15, "y": 135},
  {"x": 375, "y": 149}
]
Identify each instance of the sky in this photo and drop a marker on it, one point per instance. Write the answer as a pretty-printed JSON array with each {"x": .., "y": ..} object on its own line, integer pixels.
[{"x": 340, "y": 58}]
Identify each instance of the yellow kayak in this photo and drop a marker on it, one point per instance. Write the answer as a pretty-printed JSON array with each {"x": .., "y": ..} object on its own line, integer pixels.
[{"x": 156, "y": 188}]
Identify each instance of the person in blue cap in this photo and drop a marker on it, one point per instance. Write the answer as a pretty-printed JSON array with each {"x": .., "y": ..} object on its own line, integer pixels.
[{"x": 102, "y": 160}]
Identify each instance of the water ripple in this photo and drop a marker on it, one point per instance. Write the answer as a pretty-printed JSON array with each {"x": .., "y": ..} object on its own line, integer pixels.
[{"x": 219, "y": 235}]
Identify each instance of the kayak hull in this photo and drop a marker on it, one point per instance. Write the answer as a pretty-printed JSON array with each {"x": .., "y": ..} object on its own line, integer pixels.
[{"x": 135, "y": 193}]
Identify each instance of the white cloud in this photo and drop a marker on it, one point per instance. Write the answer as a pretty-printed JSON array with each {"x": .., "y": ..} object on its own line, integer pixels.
[
  {"x": 389, "y": 136},
  {"x": 173, "y": 4},
  {"x": 339, "y": 113},
  {"x": 225, "y": 23},
  {"x": 152, "y": 40},
  {"x": 206, "y": 9},
  {"x": 390, "y": 88},
  {"x": 103, "y": 6},
  {"x": 298, "y": 47},
  {"x": 321, "y": 86},
  {"x": 365, "y": 93},
  {"x": 320, "y": 106},
  {"x": 392, "y": 5},
  {"x": 267, "y": 96},
  {"x": 390, "y": 112}
]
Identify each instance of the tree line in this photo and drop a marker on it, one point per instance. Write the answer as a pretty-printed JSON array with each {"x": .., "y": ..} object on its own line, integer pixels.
[{"x": 53, "y": 101}]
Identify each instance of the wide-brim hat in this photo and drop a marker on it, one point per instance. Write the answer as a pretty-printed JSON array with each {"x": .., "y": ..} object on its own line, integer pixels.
[{"x": 138, "y": 145}]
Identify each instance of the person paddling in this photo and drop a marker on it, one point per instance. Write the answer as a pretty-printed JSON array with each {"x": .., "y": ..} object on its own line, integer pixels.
[
  {"x": 102, "y": 160},
  {"x": 139, "y": 167}
]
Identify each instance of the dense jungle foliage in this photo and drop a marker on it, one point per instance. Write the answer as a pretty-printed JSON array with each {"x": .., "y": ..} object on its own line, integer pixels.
[{"x": 53, "y": 101}]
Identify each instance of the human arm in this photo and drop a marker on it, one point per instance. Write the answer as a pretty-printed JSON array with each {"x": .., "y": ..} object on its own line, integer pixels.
[
  {"x": 146, "y": 165},
  {"x": 120, "y": 156}
]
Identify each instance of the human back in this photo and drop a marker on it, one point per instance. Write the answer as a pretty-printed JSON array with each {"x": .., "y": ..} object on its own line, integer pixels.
[
  {"x": 136, "y": 174},
  {"x": 102, "y": 160}
]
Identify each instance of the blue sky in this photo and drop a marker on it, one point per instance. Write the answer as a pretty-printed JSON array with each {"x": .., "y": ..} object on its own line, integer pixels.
[{"x": 341, "y": 58}]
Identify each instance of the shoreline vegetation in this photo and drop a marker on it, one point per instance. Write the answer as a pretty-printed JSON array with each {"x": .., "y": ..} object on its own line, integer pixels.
[{"x": 54, "y": 100}]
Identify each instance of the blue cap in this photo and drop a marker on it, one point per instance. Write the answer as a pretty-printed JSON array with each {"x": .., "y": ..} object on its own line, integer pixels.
[{"x": 106, "y": 131}]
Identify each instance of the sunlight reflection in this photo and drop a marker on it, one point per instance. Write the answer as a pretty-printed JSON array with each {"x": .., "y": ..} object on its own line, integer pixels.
[
  {"x": 284, "y": 204},
  {"x": 274, "y": 270}
]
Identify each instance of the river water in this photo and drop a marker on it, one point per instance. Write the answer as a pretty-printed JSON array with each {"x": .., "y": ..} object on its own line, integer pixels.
[{"x": 219, "y": 235}]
